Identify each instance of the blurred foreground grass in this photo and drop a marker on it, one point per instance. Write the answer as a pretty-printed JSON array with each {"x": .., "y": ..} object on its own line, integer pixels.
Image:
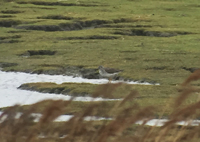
[{"x": 124, "y": 114}]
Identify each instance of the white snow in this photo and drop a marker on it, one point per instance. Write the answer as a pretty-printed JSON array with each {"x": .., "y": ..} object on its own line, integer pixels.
[
  {"x": 10, "y": 95},
  {"x": 61, "y": 118},
  {"x": 161, "y": 122},
  {"x": 152, "y": 122}
]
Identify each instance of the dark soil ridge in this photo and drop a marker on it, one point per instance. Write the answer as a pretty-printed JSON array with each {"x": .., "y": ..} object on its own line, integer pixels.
[
  {"x": 11, "y": 11},
  {"x": 75, "y": 71},
  {"x": 29, "y": 53},
  {"x": 65, "y": 90},
  {"x": 56, "y": 90},
  {"x": 157, "y": 68},
  {"x": 78, "y": 25},
  {"x": 142, "y": 32},
  {"x": 9, "y": 23},
  {"x": 6, "y": 64},
  {"x": 10, "y": 39},
  {"x": 59, "y": 4},
  {"x": 38, "y": 52},
  {"x": 57, "y": 17},
  {"x": 6, "y": 16},
  {"x": 88, "y": 73},
  {"x": 19, "y": 31},
  {"x": 124, "y": 26},
  {"x": 89, "y": 37}
]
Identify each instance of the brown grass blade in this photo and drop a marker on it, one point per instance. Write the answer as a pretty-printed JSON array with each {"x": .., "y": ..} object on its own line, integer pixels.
[{"x": 193, "y": 77}]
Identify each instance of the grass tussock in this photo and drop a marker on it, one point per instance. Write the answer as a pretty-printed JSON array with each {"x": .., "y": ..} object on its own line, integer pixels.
[{"x": 26, "y": 126}]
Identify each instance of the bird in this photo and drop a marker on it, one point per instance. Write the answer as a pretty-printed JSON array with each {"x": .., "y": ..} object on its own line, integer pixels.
[{"x": 108, "y": 72}]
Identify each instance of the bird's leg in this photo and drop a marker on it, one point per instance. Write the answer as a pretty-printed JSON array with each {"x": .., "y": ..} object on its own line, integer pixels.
[{"x": 109, "y": 80}]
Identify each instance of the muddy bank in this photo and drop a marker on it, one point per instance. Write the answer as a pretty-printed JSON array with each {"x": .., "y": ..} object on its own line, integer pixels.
[
  {"x": 74, "y": 71},
  {"x": 76, "y": 25},
  {"x": 44, "y": 3},
  {"x": 143, "y": 32},
  {"x": 56, "y": 90}
]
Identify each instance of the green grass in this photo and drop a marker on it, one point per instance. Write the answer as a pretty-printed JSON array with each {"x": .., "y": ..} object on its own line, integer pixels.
[{"x": 74, "y": 89}]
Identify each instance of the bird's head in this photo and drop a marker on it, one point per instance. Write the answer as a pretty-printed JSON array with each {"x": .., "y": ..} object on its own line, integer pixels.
[{"x": 100, "y": 67}]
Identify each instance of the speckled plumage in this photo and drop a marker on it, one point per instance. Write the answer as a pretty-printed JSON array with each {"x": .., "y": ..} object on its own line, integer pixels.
[{"x": 108, "y": 72}]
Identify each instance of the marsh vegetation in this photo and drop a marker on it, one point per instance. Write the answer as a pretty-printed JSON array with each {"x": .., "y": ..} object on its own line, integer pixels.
[{"x": 151, "y": 41}]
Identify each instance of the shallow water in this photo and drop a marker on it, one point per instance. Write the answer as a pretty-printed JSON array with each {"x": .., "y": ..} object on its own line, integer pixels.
[{"x": 10, "y": 81}]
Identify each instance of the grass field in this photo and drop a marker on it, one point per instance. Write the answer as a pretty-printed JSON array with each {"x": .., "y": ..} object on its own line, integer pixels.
[
  {"x": 150, "y": 40},
  {"x": 149, "y": 56}
]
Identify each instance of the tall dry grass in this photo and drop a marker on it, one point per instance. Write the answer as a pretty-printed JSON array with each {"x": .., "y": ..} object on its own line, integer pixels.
[{"x": 121, "y": 128}]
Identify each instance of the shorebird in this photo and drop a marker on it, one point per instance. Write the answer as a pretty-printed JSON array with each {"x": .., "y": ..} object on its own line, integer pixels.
[{"x": 108, "y": 72}]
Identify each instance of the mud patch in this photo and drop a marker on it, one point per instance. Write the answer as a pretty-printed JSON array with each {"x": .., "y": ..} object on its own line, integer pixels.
[
  {"x": 128, "y": 20},
  {"x": 123, "y": 26},
  {"x": 64, "y": 26},
  {"x": 6, "y": 16},
  {"x": 59, "y": 4},
  {"x": 20, "y": 31},
  {"x": 10, "y": 39},
  {"x": 38, "y": 52},
  {"x": 11, "y": 11},
  {"x": 88, "y": 73},
  {"x": 78, "y": 25},
  {"x": 156, "y": 68},
  {"x": 89, "y": 37},
  {"x": 75, "y": 71},
  {"x": 40, "y": 27},
  {"x": 5, "y": 64},
  {"x": 158, "y": 60},
  {"x": 144, "y": 80},
  {"x": 141, "y": 32},
  {"x": 56, "y": 17},
  {"x": 56, "y": 90},
  {"x": 170, "y": 9},
  {"x": 176, "y": 53},
  {"x": 9, "y": 23},
  {"x": 47, "y": 8},
  {"x": 130, "y": 59},
  {"x": 83, "y": 24},
  {"x": 128, "y": 51}
]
